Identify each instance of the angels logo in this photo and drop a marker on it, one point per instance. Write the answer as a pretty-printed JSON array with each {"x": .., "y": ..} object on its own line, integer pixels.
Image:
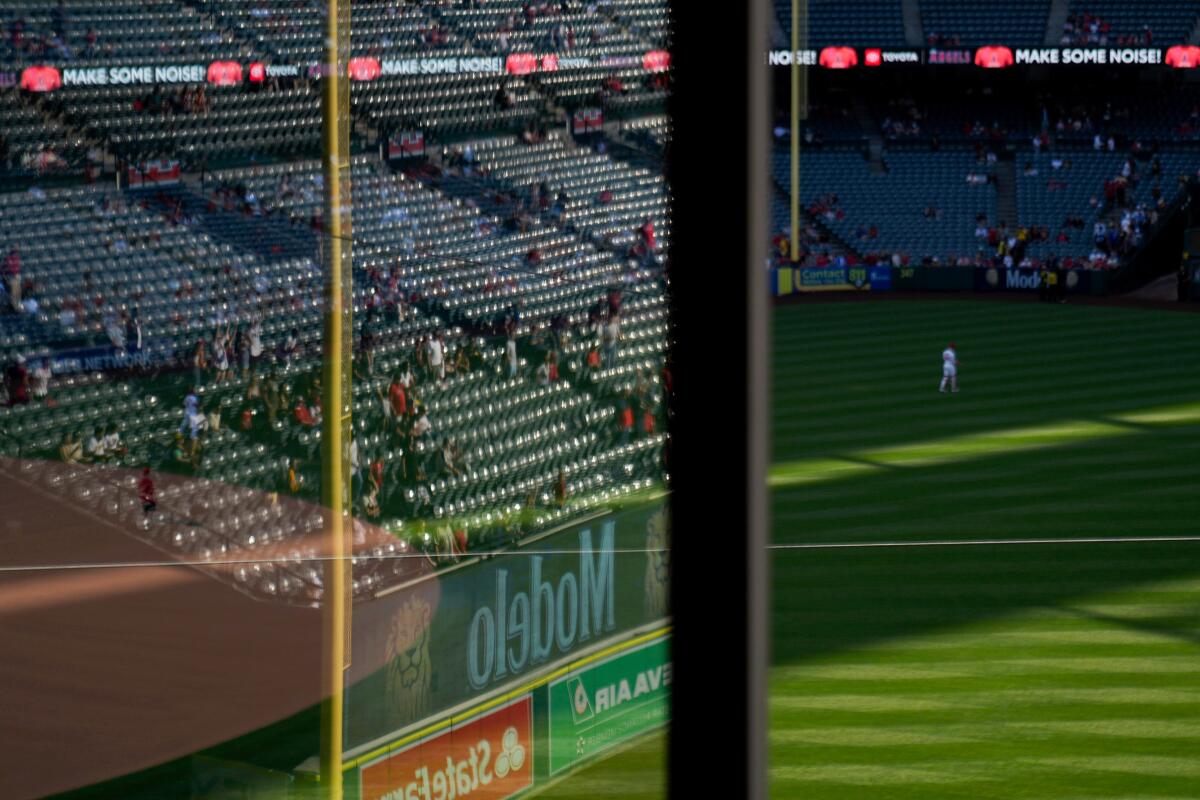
[
  {"x": 409, "y": 673},
  {"x": 658, "y": 565}
]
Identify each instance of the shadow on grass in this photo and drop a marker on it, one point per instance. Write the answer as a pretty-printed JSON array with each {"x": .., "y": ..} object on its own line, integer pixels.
[
  {"x": 827, "y": 601},
  {"x": 830, "y": 600},
  {"x": 1182, "y": 629}
]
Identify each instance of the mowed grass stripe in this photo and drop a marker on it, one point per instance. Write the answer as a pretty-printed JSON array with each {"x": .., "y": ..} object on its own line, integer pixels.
[
  {"x": 816, "y": 331},
  {"x": 901, "y": 656},
  {"x": 1133, "y": 728},
  {"x": 865, "y": 736},
  {"x": 977, "y": 445},
  {"x": 638, "y": 770},
  {"x": 994, "y": 672},
  {"x": 1042, "y": 724},
  {"x": 884, "y": 384},
  {"x": 1135, "y": 485},
  {"x": 911, "y": 370},
  {"x": 937, "y": 415}
]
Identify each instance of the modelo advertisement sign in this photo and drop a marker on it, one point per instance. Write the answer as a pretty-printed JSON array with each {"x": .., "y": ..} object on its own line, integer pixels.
[
  {"x": 448, "y": 639},
  {"x": 993, "y": 279},
  {"x": 607, "y": 703},
  {"x": 487, "y": 757}
]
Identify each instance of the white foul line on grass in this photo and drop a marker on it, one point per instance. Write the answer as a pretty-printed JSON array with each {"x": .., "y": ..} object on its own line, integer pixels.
[{"x": 985, "y": 542}]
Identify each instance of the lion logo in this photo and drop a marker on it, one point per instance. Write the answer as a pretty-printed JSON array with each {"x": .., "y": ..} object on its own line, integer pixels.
[
  {"x": 409, "y": 673},
  {"x": 658, "y": 566}
]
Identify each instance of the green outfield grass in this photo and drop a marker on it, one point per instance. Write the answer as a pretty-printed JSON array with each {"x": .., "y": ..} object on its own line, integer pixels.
[
  {"x": 1064, "y": 671},
  {"x": 1052, "y": 670},
  {"x": 638, "y": 769}
]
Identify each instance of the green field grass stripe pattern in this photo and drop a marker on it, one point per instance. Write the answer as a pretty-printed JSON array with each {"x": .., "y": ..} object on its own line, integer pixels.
[
  {"x": 1099, "y": 697},
  {"x": 991, "y": 594},
  {"x": 986, "y": 595},
  {"x": 979, "y": 445}
]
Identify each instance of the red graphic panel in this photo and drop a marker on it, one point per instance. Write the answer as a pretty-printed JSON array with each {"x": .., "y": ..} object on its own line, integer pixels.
[
  {"x": 364, "y": 68},
  {"x": 993, "y": 57},
  {"x": 488, "y": 758},
  {"x": 41, "y": 79},
  {"x": 1183, "y": 57},
  {"x": 838, "y": 58},
  {"x": 225, "y": 73},
  {"x": 657, "y": 61},
  {"x": 520, "y": 63}
]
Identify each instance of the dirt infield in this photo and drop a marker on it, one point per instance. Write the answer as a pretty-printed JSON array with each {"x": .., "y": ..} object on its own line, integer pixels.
[{"x": 105, "y": 671}]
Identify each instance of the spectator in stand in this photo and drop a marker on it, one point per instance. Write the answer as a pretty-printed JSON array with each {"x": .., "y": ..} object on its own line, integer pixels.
[
  {"x": 290, "y": 347},
  {"x": 220, "y": 352},
  {"x": 560, "y": 489},
  {"x": 93, "y": 448},
  {"x": 397, "y": 398},
  {"x": 302, "y": 413},
  {"x": 452, "y": 457},
  {"x": 503, "y": 98},
  {"x": 199, "y": 362},
  {"x": 40, "y": 381},
  {"x": 146, "y": 492},
  {"x": 510, "y": 356},
  {"x": 437, "y": 357},
  {"x": 625, "y": 418},
  {"x": 133, "y": 331},
  {"x": 356, "y": 475},
  {"x": 12, "y": 272},
  {"x": 17, "y": 380},
  {"x": 113, "y": 444},
  {"x": 294, "y": 480},
  {"x": 462, "y": 362},
  {"x": 611, "y": 337},
  {"x": 420, "y": 436},
  {"x": 70, "y": 450}
]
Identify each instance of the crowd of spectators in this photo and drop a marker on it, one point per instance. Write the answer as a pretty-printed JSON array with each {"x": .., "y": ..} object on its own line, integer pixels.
[
  {"x": 934, "y": 39},
  {"x": 186, "y": 100},
  {"x": 1123, "y": 209},
  {"x": 1084, "y": 28},
  {"x": 59, "y": 40}
]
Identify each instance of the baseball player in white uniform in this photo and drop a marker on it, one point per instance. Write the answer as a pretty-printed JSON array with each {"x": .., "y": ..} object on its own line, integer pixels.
[{"x": 949, "y": 369}]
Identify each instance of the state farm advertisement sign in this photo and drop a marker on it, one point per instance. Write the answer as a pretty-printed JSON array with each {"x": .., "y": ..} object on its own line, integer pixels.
[{"x": 487, "y": 758}]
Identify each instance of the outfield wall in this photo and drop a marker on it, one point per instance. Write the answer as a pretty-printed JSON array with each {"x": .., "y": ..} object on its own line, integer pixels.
[
  {"x": 788, "y": 280},
  {"x": 526, "y": 737},
  {"x": 510, "y": 671}
]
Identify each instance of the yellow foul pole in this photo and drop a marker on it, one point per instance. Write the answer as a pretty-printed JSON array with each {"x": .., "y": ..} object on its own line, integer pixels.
[
  {"x": 799, "y": 102},
  {"x": 337, "y": 391}
]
